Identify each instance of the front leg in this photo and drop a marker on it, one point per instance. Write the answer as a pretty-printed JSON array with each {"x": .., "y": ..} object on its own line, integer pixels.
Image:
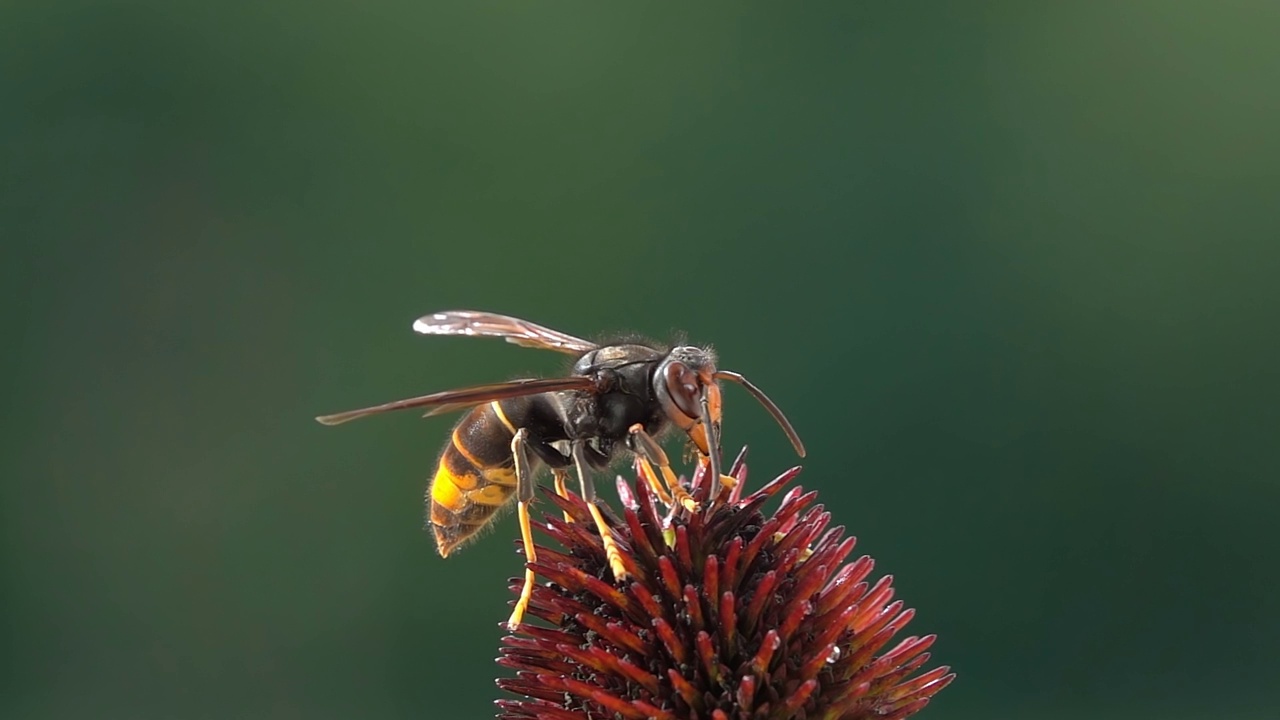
[{"x": 651, "y": 453}]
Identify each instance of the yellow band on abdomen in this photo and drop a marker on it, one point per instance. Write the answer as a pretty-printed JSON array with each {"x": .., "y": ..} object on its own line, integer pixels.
[
  {"x": 502, "y": 417},
  {"x": 447, "y": 490}
]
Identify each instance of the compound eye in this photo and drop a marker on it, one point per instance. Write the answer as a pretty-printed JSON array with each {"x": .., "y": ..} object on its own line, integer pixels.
[{"x": 683, "y": 386}]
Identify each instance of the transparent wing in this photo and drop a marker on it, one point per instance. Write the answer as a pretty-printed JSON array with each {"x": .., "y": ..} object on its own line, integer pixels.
[
  {"x": 465, "y": 397},
  {"x": 513, "y": 330}
]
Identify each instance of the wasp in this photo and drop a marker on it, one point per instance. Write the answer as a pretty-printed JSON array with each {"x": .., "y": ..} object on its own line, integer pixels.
[{"x": 619, "y": 399}]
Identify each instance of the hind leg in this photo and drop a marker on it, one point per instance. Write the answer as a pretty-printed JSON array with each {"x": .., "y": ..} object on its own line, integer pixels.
[{"x": 524, "y": 495}]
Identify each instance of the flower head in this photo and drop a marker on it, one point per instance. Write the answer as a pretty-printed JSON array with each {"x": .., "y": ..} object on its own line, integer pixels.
[{"x": 727, "y": 614}]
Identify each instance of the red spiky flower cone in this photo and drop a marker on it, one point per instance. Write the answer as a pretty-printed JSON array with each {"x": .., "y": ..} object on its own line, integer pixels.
[{"x": 727, "y": 614}]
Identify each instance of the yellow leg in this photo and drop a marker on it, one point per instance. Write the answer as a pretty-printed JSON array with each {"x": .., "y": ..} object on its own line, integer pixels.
[
  {"x": 651, "y": 479},
  {"x": 589, "y": 497},
  {"x": 524, "y": 494},
  {"x": 649, "y": 451},
  {"x": 531, "y": 556},
  {"x": 560, "y": 478},
  {"x": 610, "y": 545},
  {"x": 682, "y": 496}
]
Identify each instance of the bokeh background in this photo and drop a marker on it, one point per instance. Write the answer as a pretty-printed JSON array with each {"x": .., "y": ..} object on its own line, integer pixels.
[{"x": 1010, "y": 267}]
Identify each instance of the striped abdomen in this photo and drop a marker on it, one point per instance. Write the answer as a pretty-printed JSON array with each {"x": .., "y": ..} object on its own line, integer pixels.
[{"x": 475, "y": 478}]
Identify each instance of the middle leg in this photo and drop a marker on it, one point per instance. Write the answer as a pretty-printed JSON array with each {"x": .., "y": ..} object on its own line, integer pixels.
[{"x": 588, "y": 489}]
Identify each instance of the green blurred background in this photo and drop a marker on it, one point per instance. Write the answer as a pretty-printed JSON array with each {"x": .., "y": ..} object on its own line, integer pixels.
[{"x": 1010, "y": 267}]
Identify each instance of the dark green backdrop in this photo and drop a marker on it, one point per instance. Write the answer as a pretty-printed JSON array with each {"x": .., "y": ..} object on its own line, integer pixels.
[{"x": 1010, "y": 267}]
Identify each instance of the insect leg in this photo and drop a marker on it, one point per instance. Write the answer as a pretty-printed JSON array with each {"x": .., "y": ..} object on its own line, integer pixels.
[
  {"x": 561, "y": 477},
  {"x": 646, "y": 468},
  {"x": 650, "y": 454},
  {"x": 588, "y": 488},
  {"x": 524, "y": 494}
]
